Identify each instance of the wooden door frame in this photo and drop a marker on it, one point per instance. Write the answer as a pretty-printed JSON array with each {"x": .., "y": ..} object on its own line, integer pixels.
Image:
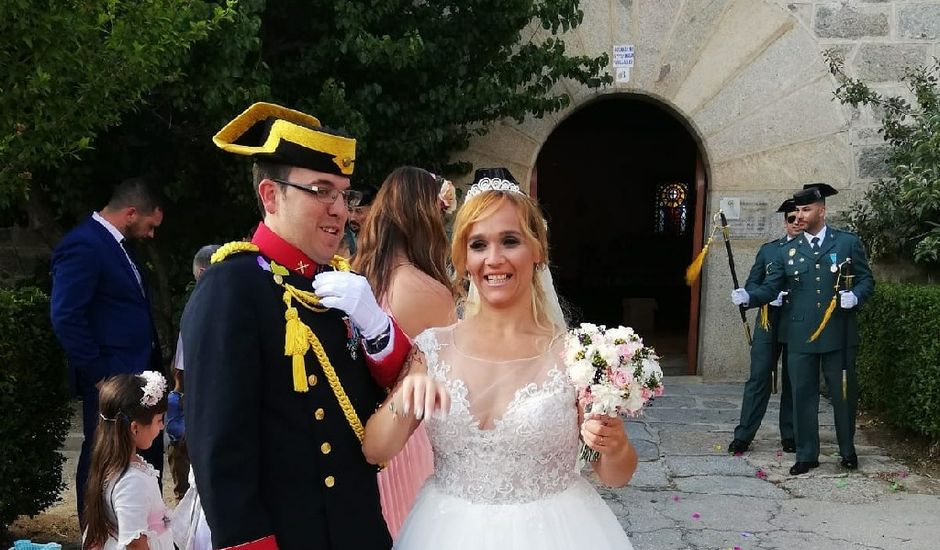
[{"x": 697, "y": 243}]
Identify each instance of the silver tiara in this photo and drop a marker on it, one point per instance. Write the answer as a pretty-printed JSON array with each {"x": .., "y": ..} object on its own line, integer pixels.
[{"x": 492, "y": 184}]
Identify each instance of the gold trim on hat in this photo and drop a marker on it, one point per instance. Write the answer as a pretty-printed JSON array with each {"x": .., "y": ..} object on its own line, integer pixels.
[{"x": 290, "y": 126}]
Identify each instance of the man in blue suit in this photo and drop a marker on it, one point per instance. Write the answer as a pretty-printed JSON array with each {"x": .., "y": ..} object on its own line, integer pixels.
[{"x": 101, "y": 309}]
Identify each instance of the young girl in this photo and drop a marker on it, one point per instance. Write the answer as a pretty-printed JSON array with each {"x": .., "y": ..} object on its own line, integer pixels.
[{"x": 123, "y": 505}]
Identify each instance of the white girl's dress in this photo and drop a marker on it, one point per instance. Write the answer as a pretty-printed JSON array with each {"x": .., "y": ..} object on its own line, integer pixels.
[
  {"x": 513, "y": 482},
  {"x": 135, "y": 504}
]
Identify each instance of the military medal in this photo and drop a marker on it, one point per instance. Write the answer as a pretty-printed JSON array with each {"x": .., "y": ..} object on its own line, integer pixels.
[
  {"x": 833, "y": 268},
  {"x": 792, "y": 252},
  {"x": 352, "y": 338}
]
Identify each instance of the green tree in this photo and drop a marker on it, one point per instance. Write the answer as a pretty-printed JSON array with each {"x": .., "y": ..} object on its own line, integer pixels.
[
  {"x": 899, "y": 215},
  {"x": 412, "y": 81},
  {"x": 72, "y": 69}
]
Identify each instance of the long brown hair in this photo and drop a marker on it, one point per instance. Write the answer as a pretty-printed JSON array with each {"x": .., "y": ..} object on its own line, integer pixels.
[
  {"x": 405, "y": 216},
  {"x": 119, "y": 404}
]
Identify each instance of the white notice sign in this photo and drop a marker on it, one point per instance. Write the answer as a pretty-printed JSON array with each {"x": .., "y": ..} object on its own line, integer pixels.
[
  {"x": 623, "y": 74},
  {"x": 623, "y": 55}
]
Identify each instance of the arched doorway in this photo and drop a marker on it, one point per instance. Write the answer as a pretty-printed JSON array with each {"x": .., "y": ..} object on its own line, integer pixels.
[{"x": 622, "y": 183}]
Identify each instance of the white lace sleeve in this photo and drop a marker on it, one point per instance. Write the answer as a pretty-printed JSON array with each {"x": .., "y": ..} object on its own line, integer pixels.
[
  {"x": 429, "y": 345},
  {"x": 133, "y": 503}
]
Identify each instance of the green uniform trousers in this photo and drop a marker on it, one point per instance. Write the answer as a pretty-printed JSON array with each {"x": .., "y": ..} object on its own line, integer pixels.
[
  {"x": 764, "y": 357},
  {"x": 804, "y": 379}
]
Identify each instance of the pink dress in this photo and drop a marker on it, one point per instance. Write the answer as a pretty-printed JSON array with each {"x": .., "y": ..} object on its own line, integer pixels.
[
  {"x": 403, "y": 477},
  {"x": 405, "y": 474}
]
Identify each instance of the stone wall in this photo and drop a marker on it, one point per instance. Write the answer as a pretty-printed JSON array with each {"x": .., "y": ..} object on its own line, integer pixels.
[{"x": 749, "y": 79}]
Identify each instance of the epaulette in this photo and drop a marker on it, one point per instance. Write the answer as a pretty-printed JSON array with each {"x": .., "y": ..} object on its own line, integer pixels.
[{"x": 234, "y": 247}]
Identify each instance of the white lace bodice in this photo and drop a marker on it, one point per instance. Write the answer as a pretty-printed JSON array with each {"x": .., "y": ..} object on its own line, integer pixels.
[{"x": 529, "y": 452}]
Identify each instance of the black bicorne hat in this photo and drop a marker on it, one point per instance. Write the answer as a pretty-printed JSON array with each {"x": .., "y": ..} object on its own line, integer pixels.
[{"x": 269, "y": 132}]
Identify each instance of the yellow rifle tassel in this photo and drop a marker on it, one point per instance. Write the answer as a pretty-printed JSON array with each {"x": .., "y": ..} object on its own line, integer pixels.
[
  {"x": 825, "y": 320},
  {"x": 765, "y": 317},
  {"x": 296, "y": 344}
]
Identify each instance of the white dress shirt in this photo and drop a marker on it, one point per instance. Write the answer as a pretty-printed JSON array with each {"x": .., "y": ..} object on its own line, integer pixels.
[{"x": 119, "y": 237}]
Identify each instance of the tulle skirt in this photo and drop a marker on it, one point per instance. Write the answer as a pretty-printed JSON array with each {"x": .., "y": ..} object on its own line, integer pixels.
[
  {"x": 574, "y": 518},
  {"x": 403, "y": 477}
]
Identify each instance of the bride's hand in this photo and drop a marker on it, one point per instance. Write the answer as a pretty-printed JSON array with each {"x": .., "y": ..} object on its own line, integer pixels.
[
  {"x": 422, "y": 395},
  {"x": 604, "y": 434}
]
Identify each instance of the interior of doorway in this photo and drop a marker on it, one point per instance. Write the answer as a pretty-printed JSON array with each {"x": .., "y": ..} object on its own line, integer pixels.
[{"x": 604, "y": 178}]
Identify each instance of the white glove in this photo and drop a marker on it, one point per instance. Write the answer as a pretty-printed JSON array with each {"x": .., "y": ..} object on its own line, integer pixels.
[
  {"x": 352, "y": 294},
  {"x": 779, "y": 301},
  {"x": 740, "y": 297},
  {"x": 847, "y": 299}
]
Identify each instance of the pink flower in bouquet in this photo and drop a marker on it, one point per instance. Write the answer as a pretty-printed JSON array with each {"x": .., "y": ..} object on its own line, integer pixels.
[
  {"x": 646, "y": 393},
  {"x": 629, "y": 349},
  {"x": 621, "y": 378}
]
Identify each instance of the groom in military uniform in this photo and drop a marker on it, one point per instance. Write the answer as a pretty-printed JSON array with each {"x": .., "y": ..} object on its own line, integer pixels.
[
  {"x": 823, "y": 329},
  {"x": 287, "y": 354},
  {"x": 769, "y": 343}
]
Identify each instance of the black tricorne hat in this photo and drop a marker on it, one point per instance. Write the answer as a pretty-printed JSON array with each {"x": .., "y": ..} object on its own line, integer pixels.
[
  {"x": 813, "y": 192},
  {"x": 269, "y": 132},
  {"x": 787, "y": 206}
]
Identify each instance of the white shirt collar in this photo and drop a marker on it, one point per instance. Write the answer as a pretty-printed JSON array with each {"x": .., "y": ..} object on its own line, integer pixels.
[
  {"x": 821, "y": 235},
  {"x": 118, "y": 236}
]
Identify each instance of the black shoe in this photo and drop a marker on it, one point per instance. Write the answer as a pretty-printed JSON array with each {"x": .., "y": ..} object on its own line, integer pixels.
[
  {"x": 738, "y": 446},
  {"x": 789, "y": 446},
  {"x": 803, "y": 467},
  {"x": 850, "y": 462}
]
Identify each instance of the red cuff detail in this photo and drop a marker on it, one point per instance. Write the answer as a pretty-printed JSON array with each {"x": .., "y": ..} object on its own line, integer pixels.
[
  {"x": 267, "y": 543},
  {"x": 386, "y": 370}
]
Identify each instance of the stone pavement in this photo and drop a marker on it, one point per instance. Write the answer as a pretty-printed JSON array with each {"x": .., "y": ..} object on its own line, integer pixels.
[{"x": 688, "y": 493}]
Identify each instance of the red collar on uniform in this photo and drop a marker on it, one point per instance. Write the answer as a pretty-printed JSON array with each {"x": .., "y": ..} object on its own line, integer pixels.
[{"x": 282, "y": 252}]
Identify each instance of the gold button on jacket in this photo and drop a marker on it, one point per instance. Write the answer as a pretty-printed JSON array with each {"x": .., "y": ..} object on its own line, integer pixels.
[
  {"x": 326, "y": 448},
  {"x": 329, "y": 481}
]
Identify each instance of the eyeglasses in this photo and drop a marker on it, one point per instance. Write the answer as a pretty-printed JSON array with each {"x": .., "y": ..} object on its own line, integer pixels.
[
  {"x": 326, "y": 195},
  {"x": 791, "y": 219}
]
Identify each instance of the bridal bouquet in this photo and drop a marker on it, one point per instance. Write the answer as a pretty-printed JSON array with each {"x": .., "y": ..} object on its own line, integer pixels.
[{"x": 613, "y": 372}]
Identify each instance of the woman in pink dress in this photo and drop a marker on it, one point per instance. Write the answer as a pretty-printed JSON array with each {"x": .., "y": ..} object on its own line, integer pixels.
[{"x": 403, "y": 252}]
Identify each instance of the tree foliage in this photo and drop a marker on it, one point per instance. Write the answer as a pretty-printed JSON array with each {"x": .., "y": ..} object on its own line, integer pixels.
[
  {"x": 413, "y": 81},
  {"x": 72, "y": 69},
  {"x": 900, "y": 214}
]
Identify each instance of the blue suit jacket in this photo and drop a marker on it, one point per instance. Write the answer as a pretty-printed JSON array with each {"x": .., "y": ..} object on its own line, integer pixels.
[{"x": 99, "y": 313}]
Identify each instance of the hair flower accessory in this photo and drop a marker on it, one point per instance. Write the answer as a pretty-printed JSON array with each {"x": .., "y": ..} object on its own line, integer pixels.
[
  {"x": 447, "y": 195},
  {"x": 154, "y": 387}
]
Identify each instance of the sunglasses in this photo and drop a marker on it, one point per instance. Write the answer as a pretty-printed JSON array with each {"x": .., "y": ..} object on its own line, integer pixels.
[{"x": 791, "y": 219}]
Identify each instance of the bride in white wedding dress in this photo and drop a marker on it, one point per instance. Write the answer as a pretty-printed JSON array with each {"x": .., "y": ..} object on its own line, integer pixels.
[{"x": 499, "y": 409}]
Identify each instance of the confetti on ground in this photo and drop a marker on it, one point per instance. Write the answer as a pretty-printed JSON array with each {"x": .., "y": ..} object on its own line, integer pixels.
[
  {"x": 902, "y": 474},
  {"x": 718, "y": 447},
  {"x": 745, "y": 534},
  {"x": 762, "y": 474},
  {"x": 842, "y": 484},
  {"x": 895, "y": 486},
  {"x": 696, "y": 515},
  {"x": 739, "y": 453},
  {"x": 675, "y": 498}
]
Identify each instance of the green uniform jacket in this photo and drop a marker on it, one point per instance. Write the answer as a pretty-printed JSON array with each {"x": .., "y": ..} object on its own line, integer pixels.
[
  {"x": 763, "y": 264},
  {"x": 811, "y": 283}
]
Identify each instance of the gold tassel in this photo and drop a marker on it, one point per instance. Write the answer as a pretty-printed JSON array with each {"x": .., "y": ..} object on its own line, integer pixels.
[
  {"x": 825, "y": 320},
  {"x": 765, "y": 317},
  {"x": 695, "y": 268},
  {"x": 296, "y": 344}
]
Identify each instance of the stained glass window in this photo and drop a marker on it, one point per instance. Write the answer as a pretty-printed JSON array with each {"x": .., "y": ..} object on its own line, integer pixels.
[{"x": 672, "y": 206}]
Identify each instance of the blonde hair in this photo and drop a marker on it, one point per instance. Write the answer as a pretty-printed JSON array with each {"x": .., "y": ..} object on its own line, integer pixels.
[{"x": 534, "y": 230}]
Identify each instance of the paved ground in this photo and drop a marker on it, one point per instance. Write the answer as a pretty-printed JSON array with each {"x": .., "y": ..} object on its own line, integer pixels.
[{"x": 688, "y": 493}]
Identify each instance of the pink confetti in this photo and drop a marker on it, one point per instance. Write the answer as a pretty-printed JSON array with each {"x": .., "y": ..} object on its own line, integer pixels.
[
  {"x": 739, "y": 453},
  {"x": 675, "y": 498},
  {"x": 761, "y": 474},
  {"x": 902, "y": 474},
  {"x": 779, "y": 453},
  {"x": 696, "y": 515}
]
